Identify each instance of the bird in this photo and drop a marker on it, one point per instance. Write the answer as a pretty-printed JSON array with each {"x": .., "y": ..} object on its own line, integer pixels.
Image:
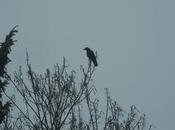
[{"x": 91, "y": 55}]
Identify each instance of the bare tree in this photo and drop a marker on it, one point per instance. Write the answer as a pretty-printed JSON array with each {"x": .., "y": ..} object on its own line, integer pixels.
[
  {"x": 92, "y": 104},
  {"x": 49, "y": 98},
  {"x": 117, "y": 119},
  {"x": 53, "y": 100}
]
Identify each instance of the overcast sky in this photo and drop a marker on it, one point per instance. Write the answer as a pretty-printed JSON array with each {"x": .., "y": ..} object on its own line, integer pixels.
[{"x": 135, "y": 41}]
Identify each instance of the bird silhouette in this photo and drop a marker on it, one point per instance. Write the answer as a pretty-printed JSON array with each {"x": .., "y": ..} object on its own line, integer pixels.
[{"x": 91, "y": 55}]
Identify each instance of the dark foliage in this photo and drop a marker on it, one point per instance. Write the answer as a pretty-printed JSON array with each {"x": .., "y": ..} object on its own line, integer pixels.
[{"x": 5, "y": 49}]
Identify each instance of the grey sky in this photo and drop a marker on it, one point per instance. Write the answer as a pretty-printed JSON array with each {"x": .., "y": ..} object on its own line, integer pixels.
[{"x": 134, "y": 39}]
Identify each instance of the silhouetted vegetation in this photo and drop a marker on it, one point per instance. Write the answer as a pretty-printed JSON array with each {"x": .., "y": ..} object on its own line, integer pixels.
[
  {"x": 55, "y": 100},
  {"x": 5, "y": 49}
]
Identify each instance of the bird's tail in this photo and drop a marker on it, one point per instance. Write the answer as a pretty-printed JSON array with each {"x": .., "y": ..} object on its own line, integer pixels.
[{"x": 95, "y": 63}]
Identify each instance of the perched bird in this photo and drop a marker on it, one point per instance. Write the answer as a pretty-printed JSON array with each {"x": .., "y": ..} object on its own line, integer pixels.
[{"x": 91, "y": 55}]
